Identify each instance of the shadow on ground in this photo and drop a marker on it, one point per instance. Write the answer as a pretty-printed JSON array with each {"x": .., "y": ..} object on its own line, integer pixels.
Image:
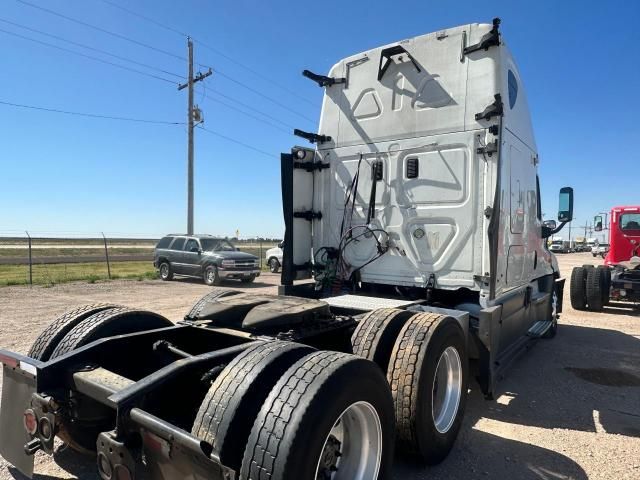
[
  {"x": 235, "y": 284},
  {"x": 586, "y": 379}
]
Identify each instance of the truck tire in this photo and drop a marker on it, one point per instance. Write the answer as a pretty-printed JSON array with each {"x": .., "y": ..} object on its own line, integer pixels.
[
  {"x": 48, "y": 340},
  {"x": 606, "y": 283},
  {"x": 274, "y": 265},
  {"x": 329, "y": 416},
  {"x": 209, "y": 297},
  {"x": 594, "y": 287},
  {"x": 210, "y": 275},
  {"x": 429, "y": 353},
  {"x": 107, "y": 323},
  {"x": 232, "y": 403},
  {"x": 376, "y": 334},
  {"x": 577, "y": 291},
  {"x": 166, "y": 272},
  {"x": 79, "y": 434}
]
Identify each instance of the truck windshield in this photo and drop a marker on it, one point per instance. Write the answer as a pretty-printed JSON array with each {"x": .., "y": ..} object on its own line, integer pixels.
[
  {"x": 215, "y": 245},
  {"x": 556, "y": 242},
  {"x": 630, "y": 221}
]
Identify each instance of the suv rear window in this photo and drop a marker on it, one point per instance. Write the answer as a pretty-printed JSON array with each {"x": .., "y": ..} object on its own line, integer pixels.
[
  {"x": 178, "y": 243},
  {"x": 164, "y": 242}
]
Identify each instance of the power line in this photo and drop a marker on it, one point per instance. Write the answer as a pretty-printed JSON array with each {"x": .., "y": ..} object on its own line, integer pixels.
[
  {"x": 103, "y": 30},
  {"x": 104, "y": 52},
  {"x": 144, "y": 17},
  {"x": 255, "y": 72},
  {"x": 91, "y": 115},
  {"x": 89, "y": 57},
  {"x": 214, "y": 50},
  {"x": 123, "y": 37},
  {"x": 272, "y": 100},
  {"x": 255, "y": 117},
  {"x": 233, "y": 140},
  {"x": 244, "y": 105}
]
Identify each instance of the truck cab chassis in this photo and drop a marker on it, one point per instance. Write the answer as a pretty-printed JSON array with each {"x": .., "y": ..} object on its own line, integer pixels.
[{"x": 414, "y": 260}]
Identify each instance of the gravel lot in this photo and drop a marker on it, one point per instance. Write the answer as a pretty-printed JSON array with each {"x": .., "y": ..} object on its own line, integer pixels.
[{"x": 570, "y": 409}]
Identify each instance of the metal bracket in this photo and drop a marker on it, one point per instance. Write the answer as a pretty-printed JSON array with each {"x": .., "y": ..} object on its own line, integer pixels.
[
  {"x": 311, "y": 137},
  {"x": 490, "y": 39},
  {"x": 322, "y": 80},
  {"x": 494, "y": 110},
  {"x": 431, "y": 284},
  {"x": 311, "y": 166},
  {"x": 488, "y": 149},
  {"x": 387, "y": 53},
  {"x": 114, "y": 458},
  {"x": 483, "y": 278},
  {"x": 308, "y": 215}
]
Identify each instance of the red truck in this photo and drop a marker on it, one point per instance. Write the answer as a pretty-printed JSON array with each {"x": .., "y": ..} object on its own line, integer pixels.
[{"x": 619, "y": 278}]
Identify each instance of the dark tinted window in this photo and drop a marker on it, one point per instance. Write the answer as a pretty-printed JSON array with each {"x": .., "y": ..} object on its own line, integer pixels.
[
  {"x": 191, "y": 244},
  {"x": 164, "y": 242},
  {"x": 513, "y": 88},
  {"x": 178, "y": 243},
  {"x": 630, "y": 221}
]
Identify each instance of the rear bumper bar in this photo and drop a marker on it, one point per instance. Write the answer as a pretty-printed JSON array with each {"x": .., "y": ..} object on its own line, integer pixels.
[{"x": 171, "y": 453}]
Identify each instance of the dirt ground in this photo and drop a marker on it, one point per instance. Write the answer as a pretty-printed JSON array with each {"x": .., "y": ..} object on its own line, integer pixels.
[{"x": 569, "y": 409}]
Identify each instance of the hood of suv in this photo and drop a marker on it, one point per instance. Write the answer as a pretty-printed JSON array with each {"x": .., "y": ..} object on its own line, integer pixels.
[{"x": 232, "y": 255}]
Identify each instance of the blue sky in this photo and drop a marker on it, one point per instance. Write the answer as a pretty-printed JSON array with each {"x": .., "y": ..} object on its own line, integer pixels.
[{"x": 79, "y": 175}]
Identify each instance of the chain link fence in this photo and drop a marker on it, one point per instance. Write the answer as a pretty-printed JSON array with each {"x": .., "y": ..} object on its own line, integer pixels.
[{"x": 46, "y": 260}]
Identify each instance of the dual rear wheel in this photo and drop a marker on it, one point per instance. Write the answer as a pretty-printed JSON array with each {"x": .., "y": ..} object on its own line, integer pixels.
[
  {"x": 284, "y": 410},
  {"x": 82, "y": 423},
  {"x": 590, "y": 287},
  {"x": 424, "y": 357}
]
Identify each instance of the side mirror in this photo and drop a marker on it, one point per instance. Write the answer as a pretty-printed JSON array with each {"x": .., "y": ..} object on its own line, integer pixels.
[
  {"x": 548, "y": 227},
  {"x": 565, "y": 205},
  {"x": 597, "y": 222},
  {"x": 237, "y": 249},
  {"x": 281, "y": 245}
]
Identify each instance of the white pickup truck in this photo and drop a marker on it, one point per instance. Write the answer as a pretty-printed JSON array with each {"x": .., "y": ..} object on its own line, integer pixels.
[
  {"x": 273, "y": 256},
  {"x": 600, "y": 249}
]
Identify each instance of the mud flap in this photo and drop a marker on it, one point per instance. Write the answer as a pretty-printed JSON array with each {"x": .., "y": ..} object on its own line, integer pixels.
[
  {"x": 17, "y": 390},
  {"x": 297, "y": 206}
]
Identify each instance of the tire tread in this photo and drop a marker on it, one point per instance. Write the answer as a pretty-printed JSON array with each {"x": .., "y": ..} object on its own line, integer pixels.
[
  {"x": 45, "y": 344},
  {"x": 403, "y": 375}
]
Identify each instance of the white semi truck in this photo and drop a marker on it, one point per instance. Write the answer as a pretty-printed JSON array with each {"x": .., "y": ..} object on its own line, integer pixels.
[
  {"x": 415, "y": 234},
  {"x": 559, "y": 245}
]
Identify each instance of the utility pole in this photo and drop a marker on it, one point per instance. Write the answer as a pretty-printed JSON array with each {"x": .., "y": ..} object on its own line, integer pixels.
[{"x": 191, "y": 118}]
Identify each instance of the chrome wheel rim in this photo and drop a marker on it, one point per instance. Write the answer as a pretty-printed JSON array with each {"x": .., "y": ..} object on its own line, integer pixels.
[
  {"x": 447, "y": 390},
  {"x": 164, "y": 270},
  {"x": 211, "y": 275},
  {"x": 353, "y": 448}
]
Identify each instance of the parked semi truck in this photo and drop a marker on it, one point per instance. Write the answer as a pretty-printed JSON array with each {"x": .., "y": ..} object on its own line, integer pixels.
[
  {"x": 559, "y": 245},
  {"x": 414, "y": 260},
  {"x": 592, "y": 287}
]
